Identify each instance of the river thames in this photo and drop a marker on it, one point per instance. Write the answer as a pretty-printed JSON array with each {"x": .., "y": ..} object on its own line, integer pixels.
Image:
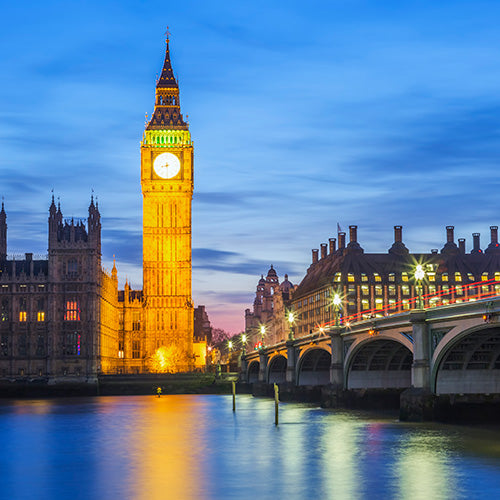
[{"x": 194, "y": 447}]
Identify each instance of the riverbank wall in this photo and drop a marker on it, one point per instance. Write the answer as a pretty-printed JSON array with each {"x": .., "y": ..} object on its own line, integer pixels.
[{"x": 115, "y": 385}]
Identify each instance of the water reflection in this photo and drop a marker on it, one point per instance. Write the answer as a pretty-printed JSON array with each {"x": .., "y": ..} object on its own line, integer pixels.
[
  {"x": 185, "y": 447},
  {"x": 166, "y": 440},
  {"x": 425, "y": 467}
]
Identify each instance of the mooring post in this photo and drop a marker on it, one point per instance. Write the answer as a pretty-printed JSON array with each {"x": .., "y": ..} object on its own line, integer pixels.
[
  {"x": 276, "y": 402},
  {"x": 234, "y": 395}
]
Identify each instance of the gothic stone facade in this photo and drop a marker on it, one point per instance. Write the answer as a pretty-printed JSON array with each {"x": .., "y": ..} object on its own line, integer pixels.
[{"x": 58, "y": 314}]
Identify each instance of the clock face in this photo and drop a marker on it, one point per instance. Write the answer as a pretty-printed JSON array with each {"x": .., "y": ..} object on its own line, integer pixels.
[{"x": 166, "y": 165}]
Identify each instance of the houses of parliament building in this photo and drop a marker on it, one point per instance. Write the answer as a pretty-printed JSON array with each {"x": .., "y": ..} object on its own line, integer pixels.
[{"x": 63, "y": 317}]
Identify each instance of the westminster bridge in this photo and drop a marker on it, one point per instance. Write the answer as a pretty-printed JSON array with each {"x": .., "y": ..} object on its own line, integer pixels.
[{"x": 446, "y": 350}]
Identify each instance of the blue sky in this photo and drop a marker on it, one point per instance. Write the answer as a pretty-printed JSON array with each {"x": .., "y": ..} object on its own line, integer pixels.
[{"x": 373, "y": 113}]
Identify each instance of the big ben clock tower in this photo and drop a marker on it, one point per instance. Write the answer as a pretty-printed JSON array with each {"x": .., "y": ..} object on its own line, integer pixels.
[{"x": 167, "y": 188}]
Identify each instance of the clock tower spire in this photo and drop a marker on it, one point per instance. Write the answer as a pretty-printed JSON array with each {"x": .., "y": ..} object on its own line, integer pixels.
[{"x": 167, "y": 188}]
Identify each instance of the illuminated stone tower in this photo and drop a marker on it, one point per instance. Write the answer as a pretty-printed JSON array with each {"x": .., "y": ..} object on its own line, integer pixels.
[{"x": 167, "y": 188}]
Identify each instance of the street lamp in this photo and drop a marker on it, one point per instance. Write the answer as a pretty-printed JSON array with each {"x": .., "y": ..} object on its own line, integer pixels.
[
  {"x": 291, "y": 319},
  {"x": 230, "y": 346},
  {"x": 337, "y": 301},
  {"x": 419, "y": 276},
  {"x": 244, "y": 343},
  {"x": 262, "y": 334}
]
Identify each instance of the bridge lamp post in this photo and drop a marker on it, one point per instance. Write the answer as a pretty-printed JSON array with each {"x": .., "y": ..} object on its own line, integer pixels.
[
  {"x": 230, "y": 346},
  {"x": 262, "y": 334},
  {"x": 290, "y": 319},
  {"x": 419, "y": 276},
  {"x": 244, "y": 344},
  {"x": 336, "y": 306}
]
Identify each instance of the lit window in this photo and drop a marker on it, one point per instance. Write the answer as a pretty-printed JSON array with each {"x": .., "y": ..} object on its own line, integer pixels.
[
  {"x": 365, "y": 290},
  {"x": 459, "y": 290},
  {"x": 392, "y": 303},
  {"x": 497, "y": 276},
  {"x": 379, "y": 304},
  {"x": 338, "y": 277},
  {"x": 364, "y": 277},
  {"x": 484, "y": 277},
  {"x": 392, "y": 277},
  {"x": 432, "y": 289},
  {"x": 444, "y": 277},
  {"x": 405, "y": 289},
  {"x": 404, "y": 276},
  {"x": 377, "y": 277},
  {"x": 378, "y": 289},
  {"x": 351, "y": 290},
  {"x": 458, "y": 277},
  {"x": 72, "y": 312},
  {"x": 497, "y": 289},
  {"x": 485, "y": 289},
  {"x": 406, "y": 304},
  {"x": 40, "y": 315},
  {"x": 22, "y": 316},
  {"x": 365, "y": 304},
  {"x": 392, "y": 290},
  {"x": 431, "y": 276},
  {"x": 350, "y": 277},
  {"x": 445, "y": 288},
  {"x": 470, "y": 276}
]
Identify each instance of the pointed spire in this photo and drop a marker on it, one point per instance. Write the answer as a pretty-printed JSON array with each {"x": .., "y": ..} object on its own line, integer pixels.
[
  {"x": 167, "y": 113},
  {"x": 3, "y": 215},
  {"x": 52, "y": 208},
  {"x": 114, "y": 272},
  {"x": 167, "y": 78}
]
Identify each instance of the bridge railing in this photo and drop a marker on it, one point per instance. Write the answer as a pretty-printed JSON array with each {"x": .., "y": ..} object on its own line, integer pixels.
[{"x": 452, "y": 295}]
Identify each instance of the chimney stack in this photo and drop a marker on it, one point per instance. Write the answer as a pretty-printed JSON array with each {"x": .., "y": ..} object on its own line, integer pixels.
[
  {"x": 353, "y": 234},
  {"x": 494, "y": 235},
  {"x": 461, "y": 245},
  {"x": 323, "y": 250},
  {"x": 315, "y": 256},
  {"x": 493, "y": 246},
  {"x": 398, "y": 234},
  {"x": 476, "y": 248},
  {"x": 449, "y": 234},
  {"x": 333, "y": 245},
  {"x": 341, "y": 240}
]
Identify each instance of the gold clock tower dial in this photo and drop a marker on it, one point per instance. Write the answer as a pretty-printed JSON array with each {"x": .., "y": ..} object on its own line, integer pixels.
[
  {"x": 166, "y": 165},
  {"x": 167, "y": 188}
]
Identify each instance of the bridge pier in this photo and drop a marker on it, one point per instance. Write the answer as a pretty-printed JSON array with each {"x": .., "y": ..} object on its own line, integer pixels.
[
  {"x": 420, "y": 370},
  {"x": 262, "y": 366},
  {"x": 291, "y": 364},
  {"x": 337, "y": 364},
  {"x": 243, "y": 368}
]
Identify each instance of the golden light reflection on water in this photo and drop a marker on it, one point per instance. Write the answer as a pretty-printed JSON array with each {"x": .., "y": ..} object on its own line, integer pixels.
[
  {"x": 341, "y": 457},
  {"x": 165, "y": 447},
  {"x": 424, "y": 467}
]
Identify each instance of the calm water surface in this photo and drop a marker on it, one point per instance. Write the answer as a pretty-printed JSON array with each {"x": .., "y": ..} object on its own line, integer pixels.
[{"x": 183, "y": 447}]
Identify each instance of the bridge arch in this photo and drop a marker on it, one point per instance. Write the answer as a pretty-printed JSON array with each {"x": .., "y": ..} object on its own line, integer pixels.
[
  {"x": 253, "y": 372},
  {"x": 468, "y": 362},
  {"x": 313, "y": 367},
  {"x": 276, "y": 370},
  {"x": 381, "y": 362}
]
